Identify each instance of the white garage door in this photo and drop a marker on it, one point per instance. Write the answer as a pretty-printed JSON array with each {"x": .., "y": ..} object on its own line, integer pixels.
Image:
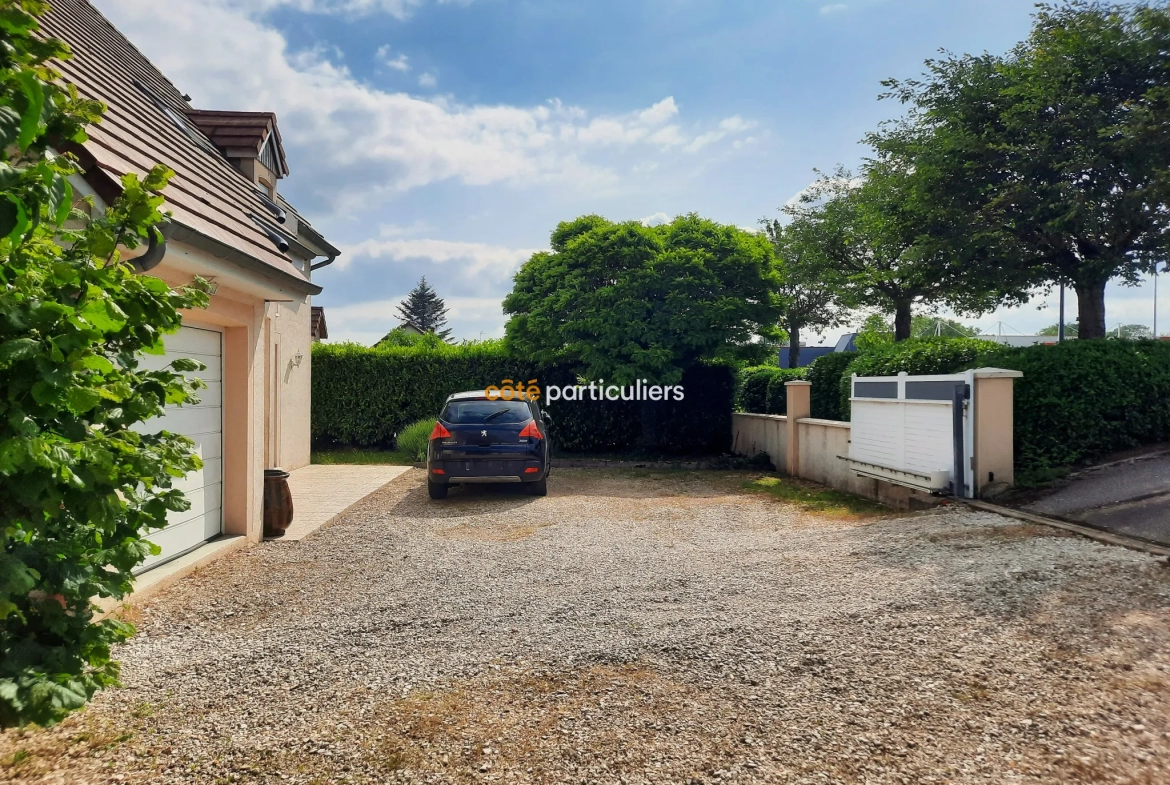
[{"x": 203, "y": 423}]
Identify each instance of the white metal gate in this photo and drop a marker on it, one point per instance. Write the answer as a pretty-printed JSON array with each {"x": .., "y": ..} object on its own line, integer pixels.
[{"x": 904, "y": 431}]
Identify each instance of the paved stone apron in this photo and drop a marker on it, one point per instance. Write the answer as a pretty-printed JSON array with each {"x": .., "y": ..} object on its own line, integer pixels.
[{"x": 638, "y": 627}]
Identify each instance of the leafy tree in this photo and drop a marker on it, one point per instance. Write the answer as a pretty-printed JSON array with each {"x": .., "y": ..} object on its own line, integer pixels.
[
  {"x": 401, "y": 337},
  {"x": 79, "y": 484},
  {"x": 874, "y": 333},
  {"x": 807, "y": 297},
  {"x": 425, "y": 310},
  {"x": 883, "y": 248},
  {"x": 940, "y": 327},
  {"x": 1131, "y": 332},
  {"x": 1057, "y": 155},
  {"x": 1070, "y": 330},
  {"x": 628, "y": 301}
]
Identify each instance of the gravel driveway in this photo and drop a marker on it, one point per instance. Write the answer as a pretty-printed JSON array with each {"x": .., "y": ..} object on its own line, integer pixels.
[{"x": 636, "y": 627}]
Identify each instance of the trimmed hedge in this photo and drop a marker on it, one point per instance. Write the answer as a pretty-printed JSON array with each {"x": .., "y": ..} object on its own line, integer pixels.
[
  {"x": 761, "y": 388},
  {"x": 1077, "y": 401},
  {"x": 919, "y": 356},
  {"x": 1081, "y": 400},
  {"x": 365, "y": 396},
  {"x": 825, "y": 374}
]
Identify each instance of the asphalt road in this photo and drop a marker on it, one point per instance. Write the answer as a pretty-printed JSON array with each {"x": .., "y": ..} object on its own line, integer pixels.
[{"x": 1131, "y": 498}]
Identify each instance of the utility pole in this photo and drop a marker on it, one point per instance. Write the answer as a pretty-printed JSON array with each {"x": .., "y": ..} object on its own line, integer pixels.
[
  {"x": 1060, "y": 328},
  {"x": 1155, "y": 301}
]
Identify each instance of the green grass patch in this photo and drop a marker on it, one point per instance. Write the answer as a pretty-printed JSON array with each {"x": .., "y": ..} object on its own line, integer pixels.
[
  {"x": 815, "y": 498},
  {"x": 329, "y": 457}
]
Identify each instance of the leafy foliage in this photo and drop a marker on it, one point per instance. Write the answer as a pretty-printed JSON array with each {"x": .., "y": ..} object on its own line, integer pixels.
[
  {"x": 414, "y": 438},
  {"x": 363, "y": 396},
  {"x": 916, "y": 356},
  {"x": 807, "y": 296},
  {"x": 402, "y": 337},
  {"x": 1054, "y": 160},
  {"x": 825, "y": 375},
  {"x": 1076, "y": 402},
  {"x": 761, "y": 390},
  {"x": 82, "y": 480},
  {"x": 425, "y": 310},
  {"x": 626, "y": 301}
]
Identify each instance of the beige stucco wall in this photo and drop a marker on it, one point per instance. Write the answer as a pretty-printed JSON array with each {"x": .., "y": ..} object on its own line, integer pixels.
[
  {"x": 994, "y": 413},
  {"x": 291, "y": 335},
  {"x": 259, "y": 350},
  {"x": 752, "y": 434}
]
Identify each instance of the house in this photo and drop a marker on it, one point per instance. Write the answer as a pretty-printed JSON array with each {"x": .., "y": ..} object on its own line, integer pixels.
[
  {"x": 231, "y": 226},
  {"x": 808, "y": 354},
  {"x": 318, "y": 329}
]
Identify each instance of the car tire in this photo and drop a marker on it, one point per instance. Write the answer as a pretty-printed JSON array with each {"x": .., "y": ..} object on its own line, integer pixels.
[
  {"x": 436, "y": 490},
  {"x": 539, "y": 488}
]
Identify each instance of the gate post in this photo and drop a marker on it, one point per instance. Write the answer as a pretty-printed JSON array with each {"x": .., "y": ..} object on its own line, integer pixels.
[{"x": 799, "y": 395}]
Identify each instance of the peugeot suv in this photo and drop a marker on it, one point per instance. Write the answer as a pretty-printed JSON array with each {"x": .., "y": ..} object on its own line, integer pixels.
[{"x": 481, "y": 440}]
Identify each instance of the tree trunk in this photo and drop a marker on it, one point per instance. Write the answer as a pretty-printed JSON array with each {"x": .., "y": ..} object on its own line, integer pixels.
[
  {"x": 901, "y": 320},
  {"x": 793, "y": 345},
  {"x": 1091, "y": 309}
]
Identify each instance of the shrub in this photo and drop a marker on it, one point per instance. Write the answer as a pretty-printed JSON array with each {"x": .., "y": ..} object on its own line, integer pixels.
[
  {"x": 1081, "y": 400},
  {"x": 825, "y": 374},
  {"x": 79, "y": 485},
  {"x": 777, "y": 401},
  {"x": 1076, "y": 402},
  {"x": 414, "y": 439},
  {"x": 761, "y": 388},
  {"x": 918, "y": 356},
  {"x": 363, "y": 396}
]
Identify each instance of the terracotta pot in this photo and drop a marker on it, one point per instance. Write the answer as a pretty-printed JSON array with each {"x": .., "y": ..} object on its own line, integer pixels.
[{"x": 278, "y": 503}]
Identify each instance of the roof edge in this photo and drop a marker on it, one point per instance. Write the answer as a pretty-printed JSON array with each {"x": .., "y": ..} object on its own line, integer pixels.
[{"x": 180, "y": 232}]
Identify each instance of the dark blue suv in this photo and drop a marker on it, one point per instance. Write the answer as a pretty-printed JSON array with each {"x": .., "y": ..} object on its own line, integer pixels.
[{"x": 481, "y": 440}]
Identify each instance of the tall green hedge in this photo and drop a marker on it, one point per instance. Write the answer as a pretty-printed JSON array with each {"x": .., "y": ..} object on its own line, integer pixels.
[
  {"x": 1076, "y": 402},
  {"x": 365, "y": 396},
  {"x": 761, "y": 388},
  {"x": 825, "y": 374},
  {"x": 920, "y": 356}
]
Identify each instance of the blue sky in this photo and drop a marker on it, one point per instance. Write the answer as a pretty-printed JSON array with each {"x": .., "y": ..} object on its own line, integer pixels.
[{"x": 447, "y": 138}]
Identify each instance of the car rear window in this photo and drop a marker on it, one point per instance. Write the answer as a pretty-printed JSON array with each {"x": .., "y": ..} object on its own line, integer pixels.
[{"x": 479, "y": 412}]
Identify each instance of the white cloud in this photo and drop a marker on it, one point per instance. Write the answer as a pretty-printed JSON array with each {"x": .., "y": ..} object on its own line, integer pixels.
[
  {"x": 348, "y": 141},
  {"x": 660, "y": 112},
  {"x": 657, "y": 219},
  {"x": 427, "y": 80},
  {"x": 398, "y": 63},
  {"x": 729, "y": 125},
  {"x": 366, "y": 323},
  {"x": 477, "y": 257},
  {"x": 833, "y": 8},
  {"x": 399, "y": 9}
]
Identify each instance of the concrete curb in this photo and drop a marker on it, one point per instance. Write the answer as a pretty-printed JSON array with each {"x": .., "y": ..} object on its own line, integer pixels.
[{"x": 1108, "y": 538}]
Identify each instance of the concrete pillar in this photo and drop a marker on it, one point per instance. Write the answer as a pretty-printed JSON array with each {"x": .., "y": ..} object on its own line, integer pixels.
[
  {"x": 799, "y": 407},
  {"x": 994, "y": 456}
]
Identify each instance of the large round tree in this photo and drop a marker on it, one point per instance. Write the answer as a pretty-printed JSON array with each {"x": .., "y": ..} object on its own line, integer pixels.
[
  {"x": 1055, "y": 158},
  {"x": 627, "y": 301}
]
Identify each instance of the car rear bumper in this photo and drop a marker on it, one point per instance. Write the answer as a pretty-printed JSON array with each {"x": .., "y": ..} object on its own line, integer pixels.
[{"x": 485, "y": 479}]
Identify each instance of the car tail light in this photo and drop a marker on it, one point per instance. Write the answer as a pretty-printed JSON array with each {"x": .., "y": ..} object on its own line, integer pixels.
[
  {"x": 440, "y": 432},
  {"x": 532, "y": 470},
  {"x": 437, "y": 471},
  {"x": 531, "y": 430}
]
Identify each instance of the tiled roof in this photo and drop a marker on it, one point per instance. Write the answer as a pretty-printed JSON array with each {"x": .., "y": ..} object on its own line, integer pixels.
[
  {"x": 242, "y": 131},
  {"x": 317, "y": 323},
  {"x": 146, "y": 124}
]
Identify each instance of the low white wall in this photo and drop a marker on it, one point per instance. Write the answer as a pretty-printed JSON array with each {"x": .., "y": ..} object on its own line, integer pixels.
[{"x": 756, "y": 433}]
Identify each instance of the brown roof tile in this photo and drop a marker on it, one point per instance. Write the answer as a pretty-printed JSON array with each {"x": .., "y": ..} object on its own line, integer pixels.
[{"x": 146, "y": 124}]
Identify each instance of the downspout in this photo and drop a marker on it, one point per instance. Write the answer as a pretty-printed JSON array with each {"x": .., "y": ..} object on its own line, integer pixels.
[{"x": 328, "y": 261}]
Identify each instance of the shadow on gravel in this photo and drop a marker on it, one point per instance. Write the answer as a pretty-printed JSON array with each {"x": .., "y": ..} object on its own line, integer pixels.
[{"x": 462, "y": 502}]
